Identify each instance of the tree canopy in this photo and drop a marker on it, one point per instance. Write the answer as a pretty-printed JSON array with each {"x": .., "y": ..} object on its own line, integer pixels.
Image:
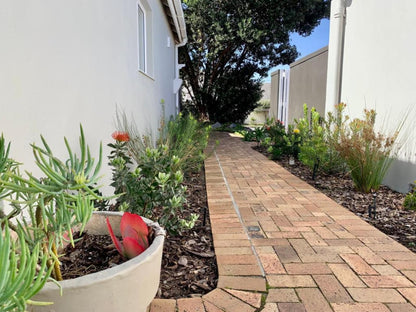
[{"x": 232, "y": 44}]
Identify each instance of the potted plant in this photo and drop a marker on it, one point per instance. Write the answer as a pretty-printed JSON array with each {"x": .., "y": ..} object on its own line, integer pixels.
[{"x": 55, "y": 205}]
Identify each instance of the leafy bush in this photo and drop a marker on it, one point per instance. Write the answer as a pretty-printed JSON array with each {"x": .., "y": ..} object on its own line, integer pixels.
[
  {"x": 275, "y": 133},
  {"x": 333, "y": 124},
  {"x": 313, "y": 148},
  {"x": 247, "y": 133},
  {"x": 410, "y": 199},
  {"x": 186, "y": 138},
  {"x": 318, "y": 139},
  {"x": 258, "y": 135},
  {"x": 293, "y": 140},
  {"x": 368, "y": 153},
  {"x": 154, "y": 189}
]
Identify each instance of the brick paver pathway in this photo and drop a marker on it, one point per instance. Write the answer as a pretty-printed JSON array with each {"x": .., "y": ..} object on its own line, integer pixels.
[{"x": 281, "y": 245}]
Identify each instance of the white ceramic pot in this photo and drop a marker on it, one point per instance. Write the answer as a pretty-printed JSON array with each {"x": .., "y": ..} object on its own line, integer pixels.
[{"x": 130, "y": 286}]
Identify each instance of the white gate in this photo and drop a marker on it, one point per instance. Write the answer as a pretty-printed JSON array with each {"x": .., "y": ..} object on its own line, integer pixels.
[{"x": 283, "y": 96}]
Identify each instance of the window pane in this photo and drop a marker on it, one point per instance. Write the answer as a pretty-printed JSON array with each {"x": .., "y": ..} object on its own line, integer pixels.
[{"x": 141, "y": 39}]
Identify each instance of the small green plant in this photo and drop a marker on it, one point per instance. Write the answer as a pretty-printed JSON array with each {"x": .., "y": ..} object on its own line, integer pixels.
[
  {"x": 410, "y": 199},
  {"x": 367, "y": 153},
  {"x": 335, "y": 121},
  {"x": 120, "y": 162},
  {"x": 275, "y": 138},
  {"x": 313, "y": 148},
  {"x": 319, "y": 140},
  {"x": 154, "y": 188},
  {"x": 259, "y": 135},
  {"x": 43, "y": 212},
  {"x": 293, "y": 140},
  {"x": 21, "y": 277},
  {"x": 248, "y": 134},
  {"x": 54, "y": 204},
  {"x": 186, "y": 138}
]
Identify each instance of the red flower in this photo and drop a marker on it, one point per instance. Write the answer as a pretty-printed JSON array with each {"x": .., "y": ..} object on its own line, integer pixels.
[{"x": 121, "y": 136}]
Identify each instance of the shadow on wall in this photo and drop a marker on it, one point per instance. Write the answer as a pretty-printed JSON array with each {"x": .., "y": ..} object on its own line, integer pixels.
[{"x": 395, "y": 176}]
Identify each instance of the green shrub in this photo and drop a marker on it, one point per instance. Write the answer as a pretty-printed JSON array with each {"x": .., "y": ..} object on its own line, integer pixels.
[
  {"x": 318, "y": 140},
  {"x": 367, "y": 153},
  {"x": 293, "y": 140},
  {"x": 248, "y": 135},
  {"x": 313, "y": 148},
  {"x": 186, "y": 138},
  {"x": 275, "y": 133},
  {"x": 154, "y": 189},
  {"x": 259, "y": 135},
  {"x": 334, "y": 122},
  {"x": 410, "y": 199}
]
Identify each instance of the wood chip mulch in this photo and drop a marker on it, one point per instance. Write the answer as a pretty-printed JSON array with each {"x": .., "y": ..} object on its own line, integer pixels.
[{"x": 189, "y": 267}]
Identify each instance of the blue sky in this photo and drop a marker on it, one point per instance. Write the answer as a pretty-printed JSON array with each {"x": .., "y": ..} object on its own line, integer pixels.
[{"x": 307, "y": 45}]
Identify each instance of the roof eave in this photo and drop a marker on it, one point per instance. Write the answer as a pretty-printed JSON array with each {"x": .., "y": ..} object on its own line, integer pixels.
[{"x": 174, "y": 14}]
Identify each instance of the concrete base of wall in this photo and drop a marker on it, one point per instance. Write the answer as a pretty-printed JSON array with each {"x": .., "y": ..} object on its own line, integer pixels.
[{"x": 400, "y": 175}]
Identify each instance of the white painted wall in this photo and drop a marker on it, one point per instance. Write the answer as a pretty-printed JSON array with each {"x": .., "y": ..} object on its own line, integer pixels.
[
  {"x": 63, "y": 63},
  {"x": 378, "y": 71}
]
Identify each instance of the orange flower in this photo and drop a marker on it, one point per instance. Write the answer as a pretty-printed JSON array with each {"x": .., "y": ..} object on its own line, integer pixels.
[{"x": 121, "y": 136}]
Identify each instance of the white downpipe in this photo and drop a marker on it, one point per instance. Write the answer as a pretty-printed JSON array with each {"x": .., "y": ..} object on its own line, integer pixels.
[
  {"x": 335, "y": 54},
  {"x": 175, "y": 6}
]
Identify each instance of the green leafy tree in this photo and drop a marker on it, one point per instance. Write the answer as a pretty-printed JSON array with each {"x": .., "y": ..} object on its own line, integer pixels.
[{"x": 232, "y": 44}]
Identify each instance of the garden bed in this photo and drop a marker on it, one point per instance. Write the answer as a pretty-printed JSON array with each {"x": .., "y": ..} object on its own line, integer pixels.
[
  {"x": 391, "y": 218},
  {"x": 188, "y": 265}
]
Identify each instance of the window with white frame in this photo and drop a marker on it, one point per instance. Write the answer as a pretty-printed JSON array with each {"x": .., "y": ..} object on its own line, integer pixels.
[{"x": 142, "y": 40}]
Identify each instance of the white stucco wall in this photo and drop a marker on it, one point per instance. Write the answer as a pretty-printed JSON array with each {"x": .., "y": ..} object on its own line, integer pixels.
[
  {"x": 378, "y": 71},
  {"x": 63, "y": 63}
]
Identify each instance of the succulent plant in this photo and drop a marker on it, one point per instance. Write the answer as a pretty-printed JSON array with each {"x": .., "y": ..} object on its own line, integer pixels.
[{"x": 134, "y": 233}]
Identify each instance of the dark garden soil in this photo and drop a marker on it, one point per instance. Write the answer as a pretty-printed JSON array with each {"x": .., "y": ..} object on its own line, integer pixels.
[
  {"x": 188, "y": 264},
  {"x": 189, "y": 267},
  {"x": 391, "y": 218}
]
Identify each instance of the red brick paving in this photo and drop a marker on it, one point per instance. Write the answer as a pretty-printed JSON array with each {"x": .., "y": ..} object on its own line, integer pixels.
[{"x": 269, "y": 226}]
